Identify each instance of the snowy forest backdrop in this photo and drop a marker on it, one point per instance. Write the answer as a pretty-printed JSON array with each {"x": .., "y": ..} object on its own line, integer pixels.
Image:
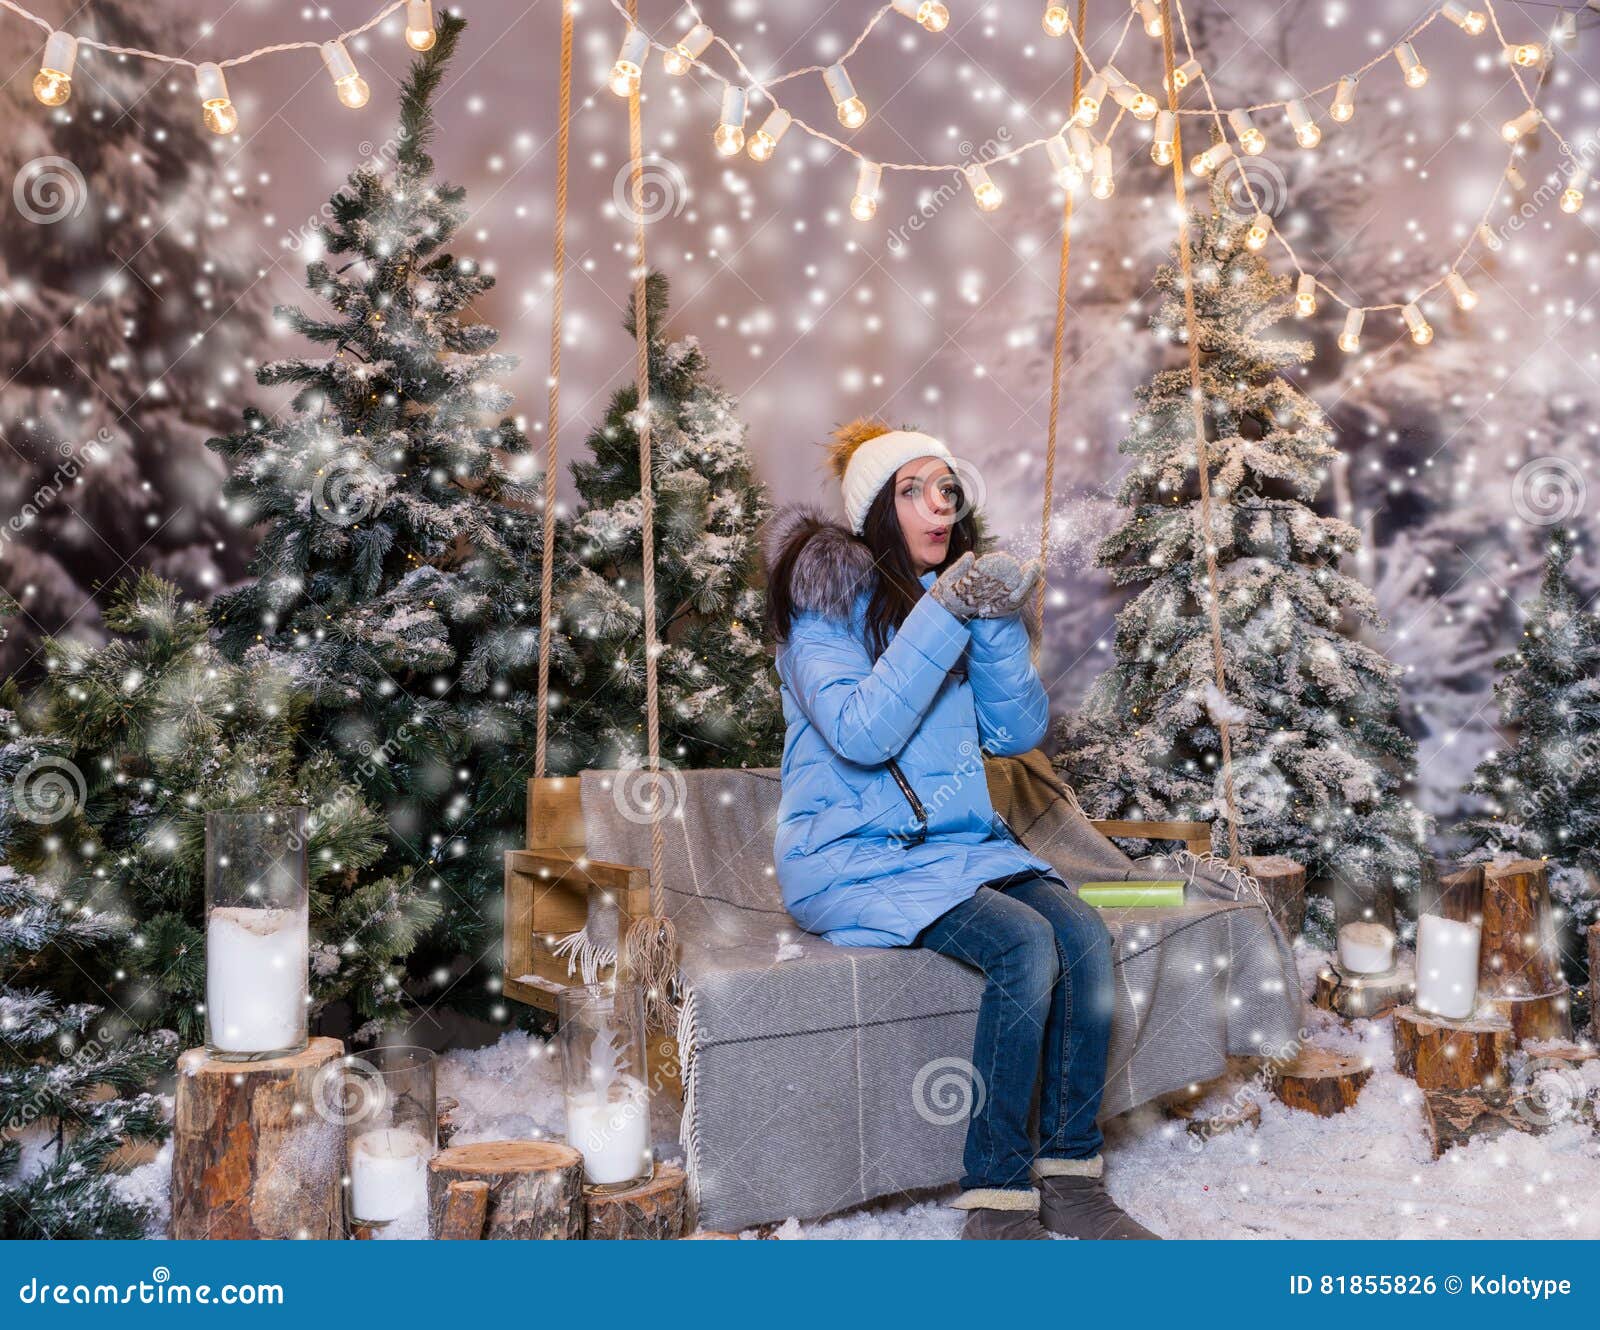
[{"x": 934, "y": 314}]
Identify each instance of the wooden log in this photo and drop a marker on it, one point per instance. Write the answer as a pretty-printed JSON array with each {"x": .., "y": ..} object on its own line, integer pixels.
[
  {"x": 1594, "y": 979},
  {"x": 1518, "y": 956},
  {"x": 1320, "y": 1081},
  {"x": 1457, "y": 1117},
  {"x": 466, "y": 1206},
  {"x": 1283, "y": 883},
  {"x": 1364, "y": 996},
  {"x": 1440, "y": 1054},
  {"x": 651, "y": 1211},
  {"x": 252, "y": 1157},
  {"x": 535, "y": 1188}
]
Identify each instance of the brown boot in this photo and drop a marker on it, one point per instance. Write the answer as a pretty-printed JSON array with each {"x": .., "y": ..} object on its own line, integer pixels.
[
  {"x": 993, "y": 1214},
  {"x": 1075, "y": 1204}
]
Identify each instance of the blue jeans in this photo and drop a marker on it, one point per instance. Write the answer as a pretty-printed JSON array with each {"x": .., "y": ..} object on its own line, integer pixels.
[{"x": 1046, "y": 1012}]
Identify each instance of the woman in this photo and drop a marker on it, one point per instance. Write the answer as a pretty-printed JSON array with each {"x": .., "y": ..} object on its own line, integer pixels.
[{"x": 902, "y": 660}]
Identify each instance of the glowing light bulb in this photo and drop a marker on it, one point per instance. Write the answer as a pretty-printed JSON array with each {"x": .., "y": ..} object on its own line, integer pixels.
[
  {"x": 1489, "y": 238},
  {"x": 851, "y": 109},
  {"x": 729, "y": 136},
  {"x": 1063, "y": 164},
  {"x": 1082, "y": 145},
  {"x": 1149, "y": 15},
  {"x": 1255, "y": 238},
  {"x": 1421, "y": 329},
  {"x": 1350, "y": 336},
  {"x": 1516, "y": 127},
  {"x": 764, "y": 142},
  {"x": 351, "y": 88},
  {"x": 1470, "y": 21},
  {"x": 1088, "y": 107},
  {"x": 1056, "y": 20},
  {"x": 930, "y": 13},
  {"x": 1416, "y": 73},
  {"x": 1164, "y": 139},
  {"x": 1185, "y": 74},
  {"x": 680, "y": 59},
  {"x": 1466, "y": 297},
  {"x": 52, "y": 85},
  {"x": 1344, "y": 100},
  {"x": 985, "y": 193},
  {"x": 629, "y": 66},
  {"x": 1307, "y": 133},
  {"x": 1516, "y": 179},
  {"x": 1305, "y": 296},
  {"x": 420, "y": 35},
  {"x": 1251, "y": 139},
  {"x": 1203, "y": 164},
  {"x": 1526, "y": 55},
  {"x": 864, "y": 202},
  {"x": 1571, "y": 199},
  {"x": 1101, "y": 183},
  {"x": 216, "y": 108}
]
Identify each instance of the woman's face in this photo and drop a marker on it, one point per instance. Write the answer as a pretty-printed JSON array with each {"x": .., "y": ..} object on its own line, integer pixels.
[{"x": 927, "y": 500}]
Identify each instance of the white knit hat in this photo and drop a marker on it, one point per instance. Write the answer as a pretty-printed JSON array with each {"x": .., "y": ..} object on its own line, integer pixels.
[{"x": 873, "y": 463}]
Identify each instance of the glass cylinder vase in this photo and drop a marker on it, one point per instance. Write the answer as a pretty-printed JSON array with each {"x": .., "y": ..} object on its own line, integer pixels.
[
  {"x": 602, "y": 1035},
  {"x": 258, "y": 937},
  {"x": 392, "y": 1129}
]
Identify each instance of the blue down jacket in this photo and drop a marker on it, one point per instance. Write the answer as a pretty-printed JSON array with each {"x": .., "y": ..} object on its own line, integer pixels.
[{"x": 847, "y": 848}]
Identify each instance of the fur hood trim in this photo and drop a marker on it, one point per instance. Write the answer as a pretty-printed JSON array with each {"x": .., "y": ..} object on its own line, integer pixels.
[{"x": 832, "y": 567}]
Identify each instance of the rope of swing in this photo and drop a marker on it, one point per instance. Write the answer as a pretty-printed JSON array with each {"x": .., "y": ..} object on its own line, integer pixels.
[{"x": 1201, "y": 452}]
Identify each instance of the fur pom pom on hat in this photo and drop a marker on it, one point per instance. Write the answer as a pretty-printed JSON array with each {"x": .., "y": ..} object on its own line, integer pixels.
[{"x": 865, "y": 454}]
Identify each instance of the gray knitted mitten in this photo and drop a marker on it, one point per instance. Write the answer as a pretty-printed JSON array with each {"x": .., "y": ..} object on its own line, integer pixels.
[{"x": 992, "y": 587}]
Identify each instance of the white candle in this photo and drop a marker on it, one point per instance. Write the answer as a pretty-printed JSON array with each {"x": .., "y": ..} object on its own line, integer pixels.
[
  {"x": 388, "y": 1175},
  {"x": 613, "y": 1135},
  {"x": 1447, "y": 966},
  {"x": 256, "y": 978},
  {"x": 1366, "y": 948}
]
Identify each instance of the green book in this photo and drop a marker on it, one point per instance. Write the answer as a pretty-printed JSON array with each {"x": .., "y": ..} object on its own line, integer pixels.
[{"x": 1132, "y": 895}]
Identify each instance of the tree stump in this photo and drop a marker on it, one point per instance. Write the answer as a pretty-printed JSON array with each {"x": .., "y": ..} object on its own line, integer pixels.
[
  {"x": 653, "y": 1210},
  {"x": 1519, "y": 966},
  {"x": 1320, "y": 1081},
  {"x": 466, "y": 1207},
  {"x": 535, "y": 1188},
  {"x": 1440, "y": 1054},
  {"x": 1457, "y": 1117},
  {"x": 1283, "y": 884},
  {"x": 1364, "y": 996},
  {"x": 251, "y": 1155}
]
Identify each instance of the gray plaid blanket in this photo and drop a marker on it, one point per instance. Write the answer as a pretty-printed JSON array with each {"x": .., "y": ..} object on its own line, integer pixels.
[{"x": 819, "y": 1077}]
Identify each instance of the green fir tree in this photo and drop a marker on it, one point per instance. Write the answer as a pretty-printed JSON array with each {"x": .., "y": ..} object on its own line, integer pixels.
[
  {"x": 719, "y": 700},
  {"x": 399, "y": 562},
  {"x": 1318, "y": 755}
]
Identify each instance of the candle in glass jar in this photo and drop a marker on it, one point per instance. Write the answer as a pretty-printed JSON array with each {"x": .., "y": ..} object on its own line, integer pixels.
[
  {"x": 613, "y": 1135},
  {"x": 388, "y": 1175},
  {"x": 1447, "y": 966},
  {"x": 1366, "y": 948},
  {"x": 256, "y": 978}
]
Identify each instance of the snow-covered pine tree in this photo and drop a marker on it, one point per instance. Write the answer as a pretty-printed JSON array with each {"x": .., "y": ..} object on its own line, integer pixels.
[
  {"x": 1318, "y": 756},
  {"x": 397, "y": 573},
  {"x": 130, "y": 307},
  {"x": 719, "y": 700},
  {"x": 1542, "y": 792},
  {"x": 112, "y": 763}
]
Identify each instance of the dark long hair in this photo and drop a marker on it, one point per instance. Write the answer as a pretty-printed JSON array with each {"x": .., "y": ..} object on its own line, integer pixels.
[{"x": 895, "y": 588}]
